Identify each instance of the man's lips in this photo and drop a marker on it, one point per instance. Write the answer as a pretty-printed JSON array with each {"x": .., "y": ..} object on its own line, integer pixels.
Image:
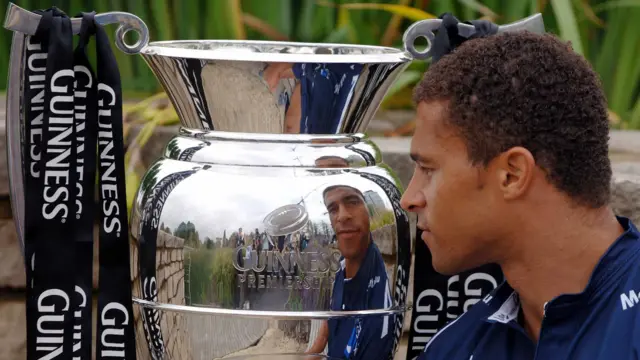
[
  {"x": 425, "y": 229},
  {"x": 347, "y": 231}
]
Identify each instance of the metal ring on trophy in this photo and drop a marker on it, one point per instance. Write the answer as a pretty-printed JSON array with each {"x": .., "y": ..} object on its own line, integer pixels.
[
  {"x": 24, "y": 21},
  {"x": 128, "y": 22},
  {"x": 267, "y": 314},
  {"x": 425, "y": 28}
]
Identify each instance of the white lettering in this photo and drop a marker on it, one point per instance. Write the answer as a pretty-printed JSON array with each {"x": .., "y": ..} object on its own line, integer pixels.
[
  {"x": 57, "y": 303},
  {"x": 60, "y": 129},
  {"x": 629, "y": 301},
  {"x": 37, "y": 65},
  {"x": 108, "y": 185},
  {"x": 113, "y": 348}
]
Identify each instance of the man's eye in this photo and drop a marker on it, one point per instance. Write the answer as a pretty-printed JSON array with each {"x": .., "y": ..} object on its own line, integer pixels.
[{"x": 424, "y": 169}]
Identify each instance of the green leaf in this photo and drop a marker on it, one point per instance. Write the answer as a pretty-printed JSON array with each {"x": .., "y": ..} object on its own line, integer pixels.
[
  {"x": 406, "y": 79},
  {"x": 276, "y": 13},
  {"x": 634, "y": 121},
  {"x": 411, "y": 13},
  {"x": 515, "y": 10},
  {"x": 627, "y": 66},
  {"x": 610, "y": 5},
  {"x": 567, "y": 23},
  {"x": 337, "y": 36},
  {"x": 481, "y": 8}
]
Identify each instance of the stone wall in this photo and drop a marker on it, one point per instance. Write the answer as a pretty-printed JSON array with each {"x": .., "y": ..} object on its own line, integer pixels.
[{"x": 170, "y": 281}]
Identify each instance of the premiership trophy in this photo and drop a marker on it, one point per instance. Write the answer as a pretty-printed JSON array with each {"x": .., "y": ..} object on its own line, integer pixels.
[{"x": 269, "y": 227}]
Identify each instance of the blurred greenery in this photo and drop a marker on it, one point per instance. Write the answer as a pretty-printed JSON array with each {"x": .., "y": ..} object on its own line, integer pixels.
[
  {"x": 603, "y": 31},
  {"x": 211, "y": 276}
]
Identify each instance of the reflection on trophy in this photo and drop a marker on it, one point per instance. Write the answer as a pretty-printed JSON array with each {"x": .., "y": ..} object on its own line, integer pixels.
[
  {"x": 269, "y": 228},
  {"x": 361, "y": 283}
]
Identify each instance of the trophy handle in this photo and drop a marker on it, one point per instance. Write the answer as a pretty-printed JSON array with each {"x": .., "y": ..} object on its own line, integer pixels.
[
  {"x": 24, "y": 23},
  {"x": 425, "y": 28}
]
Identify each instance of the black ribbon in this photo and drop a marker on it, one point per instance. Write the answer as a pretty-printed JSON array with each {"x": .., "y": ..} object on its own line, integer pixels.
[
  {"x": 69, "y": 114},
  {"x": 86, "y": 139},
  {"x": 437, "y": 298},
  {"x": 448, "y": 37},
  {"x": 49, "y": 186}
]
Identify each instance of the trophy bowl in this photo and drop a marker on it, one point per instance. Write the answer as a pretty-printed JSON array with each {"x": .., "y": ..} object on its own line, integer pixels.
[{"x": 270, "y": 221}]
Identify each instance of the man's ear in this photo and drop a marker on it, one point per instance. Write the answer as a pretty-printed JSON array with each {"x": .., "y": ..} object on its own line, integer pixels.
[{"x": 515, "y": 169}]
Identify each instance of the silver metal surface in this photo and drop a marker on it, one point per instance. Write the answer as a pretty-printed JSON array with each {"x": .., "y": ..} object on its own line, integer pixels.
[
  {"x": 273, "y": 87},
  {"x": 425, "y": 28},
  {"x": 268, "y": 314},
  {"x": 247, "y": 247},
  {"x": 14, "y": 121}
]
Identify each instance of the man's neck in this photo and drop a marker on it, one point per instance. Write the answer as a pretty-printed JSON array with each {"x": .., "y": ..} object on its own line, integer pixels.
[
  {"x": 352, "y": 265},
  {"x": 556, "y": 255}
]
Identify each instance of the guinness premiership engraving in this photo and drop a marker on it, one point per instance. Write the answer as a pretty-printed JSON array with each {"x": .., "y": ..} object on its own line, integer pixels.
[{"x": 288, "y": 269}]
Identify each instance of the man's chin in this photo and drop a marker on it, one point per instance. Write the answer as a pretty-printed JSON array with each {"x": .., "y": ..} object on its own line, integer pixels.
[{"x": 449, "y": 268}]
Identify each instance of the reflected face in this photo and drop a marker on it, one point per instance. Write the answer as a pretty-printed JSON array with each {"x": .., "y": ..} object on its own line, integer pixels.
[
  {"x": 349, "y": 219},
  {"x": 331, "y": 162},
  {"x": 456, "y": 206}
]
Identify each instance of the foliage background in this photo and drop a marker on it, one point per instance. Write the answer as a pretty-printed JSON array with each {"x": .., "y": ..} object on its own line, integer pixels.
[{"x": 603, "y": 31}]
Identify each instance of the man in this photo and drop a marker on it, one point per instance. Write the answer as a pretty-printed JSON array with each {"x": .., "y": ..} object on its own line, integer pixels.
[
  {"x": 360, "y": 284},
  {"x": 512, "y": 168}
]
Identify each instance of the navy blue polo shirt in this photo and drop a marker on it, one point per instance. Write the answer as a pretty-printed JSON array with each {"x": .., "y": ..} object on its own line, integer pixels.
[
  {"x": 368, "y": 337},
  {"x": 602, "y": 322},
  {"x": 324, "y": 91}
]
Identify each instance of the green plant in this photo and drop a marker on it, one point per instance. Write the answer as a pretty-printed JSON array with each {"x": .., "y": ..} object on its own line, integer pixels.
[
  {"x": 382, "y": 219},
  {"x": 224, "y": 275},
  {"x": 212, "y": 276}
]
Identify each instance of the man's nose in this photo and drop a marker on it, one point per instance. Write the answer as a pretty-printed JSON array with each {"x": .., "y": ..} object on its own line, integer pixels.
[
  {"x": 343, "y": 213},
  {"x": 413, "y": 199}
]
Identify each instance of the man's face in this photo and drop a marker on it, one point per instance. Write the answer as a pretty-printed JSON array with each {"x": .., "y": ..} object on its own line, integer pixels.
[
  {"x": 349, "y": 219},
  {"x": 455, "y": 201},
  {"x": 332, "y": 162}
]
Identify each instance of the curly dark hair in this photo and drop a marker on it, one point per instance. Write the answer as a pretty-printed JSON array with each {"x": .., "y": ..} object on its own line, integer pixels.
[{"x": 530, "y": 90}]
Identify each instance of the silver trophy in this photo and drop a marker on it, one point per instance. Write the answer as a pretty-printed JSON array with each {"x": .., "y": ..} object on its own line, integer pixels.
[{"x": 270, "y": 224}]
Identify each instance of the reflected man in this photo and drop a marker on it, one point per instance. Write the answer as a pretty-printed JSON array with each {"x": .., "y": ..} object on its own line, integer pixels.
[
  {"x": 360, "y": 284},
  {"x": 320, "y": 95}
]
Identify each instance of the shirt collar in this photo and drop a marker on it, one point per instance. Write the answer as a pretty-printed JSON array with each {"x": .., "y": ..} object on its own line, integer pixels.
[{"x": 504, "y": 303}]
